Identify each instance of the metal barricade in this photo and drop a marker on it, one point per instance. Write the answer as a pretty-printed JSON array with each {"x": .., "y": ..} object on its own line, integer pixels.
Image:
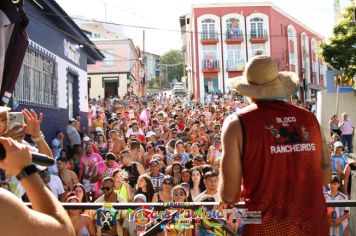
[
  {"x": 198, "y": 205},
  {"x": 352, "y": 217}
]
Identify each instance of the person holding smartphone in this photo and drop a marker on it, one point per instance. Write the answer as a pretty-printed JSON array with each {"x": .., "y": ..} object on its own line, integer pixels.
[
  {"x": 17, "y": 125},
  {"x": 47, "y": 214}
]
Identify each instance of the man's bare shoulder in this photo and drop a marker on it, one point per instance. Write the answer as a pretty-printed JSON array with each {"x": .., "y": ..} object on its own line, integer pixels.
[
  {"x": 231, "y": 122},
  {"x": 10, "y": 207},
  {"x": 6, "y": 199}
]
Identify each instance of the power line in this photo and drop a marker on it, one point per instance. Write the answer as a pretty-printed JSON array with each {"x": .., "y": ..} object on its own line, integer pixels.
[
  {"x": 156, "y": 28},
  {"x": 79, "y": 40}
]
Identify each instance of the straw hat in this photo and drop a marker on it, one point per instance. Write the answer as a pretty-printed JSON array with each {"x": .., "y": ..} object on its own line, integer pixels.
[{"x": 261, "y": 79}]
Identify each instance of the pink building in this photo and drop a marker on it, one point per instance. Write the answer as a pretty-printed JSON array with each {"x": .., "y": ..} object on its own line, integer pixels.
[
  {"x": 119, "y": 72},
  {"x": 219, "y": 39}
]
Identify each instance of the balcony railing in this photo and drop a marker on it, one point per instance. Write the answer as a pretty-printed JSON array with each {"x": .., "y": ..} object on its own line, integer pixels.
[
  {"x": 257, "y": 34},
  {"x": 210, "y": 64},
  {"x": 236, "y": 64},
  {"x": 209, "y": 35},
  {"x": 234, "y": 34}
]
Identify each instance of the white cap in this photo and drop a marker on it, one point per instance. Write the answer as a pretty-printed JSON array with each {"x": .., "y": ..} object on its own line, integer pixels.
[
  {"x": 140, "y": 196},
  {"x": 338, "y": 144},
  {"x": 72, "y": 119},
  {"x": 86, "y": 139},
  {"x": 4, "y": 109},
  {"x": 150, "y": 134},
  {"x": 99, "y": 129}
]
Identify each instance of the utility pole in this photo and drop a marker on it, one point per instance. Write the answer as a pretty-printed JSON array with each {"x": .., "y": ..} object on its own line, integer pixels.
[
  {"x": 144, "y": 84},
  {"x": 105, "y": 11}
]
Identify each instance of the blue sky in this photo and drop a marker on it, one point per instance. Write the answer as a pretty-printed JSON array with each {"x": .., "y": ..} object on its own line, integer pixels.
[{"x": 164, "y": 14}]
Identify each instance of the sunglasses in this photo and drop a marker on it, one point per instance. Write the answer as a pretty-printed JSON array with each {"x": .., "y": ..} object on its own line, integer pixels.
[
  {"x": 167, "y": 182},
  {"x": 149, "y": 147},
  {"x": 181, "y": 194},
  {"x": 106, "y": 188}
]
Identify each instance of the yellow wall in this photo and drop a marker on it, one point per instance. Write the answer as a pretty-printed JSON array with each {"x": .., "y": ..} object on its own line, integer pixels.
[
  {"x": 97, "y": 88},
  {"x": 123, "y": 85}
]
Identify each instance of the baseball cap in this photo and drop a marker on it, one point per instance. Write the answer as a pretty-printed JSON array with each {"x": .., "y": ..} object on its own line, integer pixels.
[
  {"x": 185, "y": 185},
  {"x": 338, "y": 144},
  {"x": 72, "y": 119},
  {"x": 177, "y": 155},
  {"x": 86, "y": 139},
  {"x": 140, "y": 196},
  {"x": 99, "y": 129},
  {"x": 198, "y": 158},
  {"x": 154, "y": 161},
  {"x": 150, "y": 134},
  {"x": 4, "y": 109}
]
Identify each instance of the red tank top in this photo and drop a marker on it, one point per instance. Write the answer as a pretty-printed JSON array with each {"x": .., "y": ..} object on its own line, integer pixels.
[{"x": 282, "y": 176}]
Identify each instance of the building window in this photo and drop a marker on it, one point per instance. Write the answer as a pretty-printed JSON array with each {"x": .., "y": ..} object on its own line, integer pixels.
[
  {"x": 314, "y": 61},
  {"x": 209, "y": 32},
  {"x": 257, "y": 30},
  {"x": 292, "y": 49},
  {"x": 211, "y": 85},
  {"x": 305, "y": 57},
  {"x": 38, "y": 79},
  {"x": 233, "y": 29},
  {"x": 258, "y": 49},
  {"x": 234, "y": 55},
  {"x": 109, "y": 57},
  {"x": 209, "y": 55}
]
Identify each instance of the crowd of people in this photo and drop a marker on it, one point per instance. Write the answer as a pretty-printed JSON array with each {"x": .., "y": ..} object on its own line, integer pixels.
[
  {"x": 158, "y": 149},
  {"x": 150, "y": 151}
]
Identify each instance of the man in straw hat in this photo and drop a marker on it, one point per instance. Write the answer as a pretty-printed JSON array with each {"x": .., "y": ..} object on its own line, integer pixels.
[{"x": 283, "y": 170}]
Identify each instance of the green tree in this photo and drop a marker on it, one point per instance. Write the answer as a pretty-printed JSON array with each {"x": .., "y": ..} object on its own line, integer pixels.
[
  {"x": 172, "y": 65},
  {"x": 340, "y": 50}
]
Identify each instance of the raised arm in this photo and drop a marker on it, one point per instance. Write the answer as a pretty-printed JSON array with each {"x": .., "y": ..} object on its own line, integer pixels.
[
  {"x": 47, "y": 214},
  {"x": 33, "y": 128},
  {"x": 325, "y": 164}
]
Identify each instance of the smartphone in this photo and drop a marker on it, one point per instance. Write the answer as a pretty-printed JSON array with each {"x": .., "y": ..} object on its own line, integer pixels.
[{"x": 15, "y": 119}]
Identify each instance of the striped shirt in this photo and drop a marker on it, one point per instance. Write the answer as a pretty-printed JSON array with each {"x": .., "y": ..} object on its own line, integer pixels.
[{"x": 339, "y": 211}]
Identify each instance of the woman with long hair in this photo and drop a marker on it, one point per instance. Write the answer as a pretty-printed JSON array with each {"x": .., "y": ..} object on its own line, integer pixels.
[
  {"x": 102, "y": 145},
  {"x": 176, "y": 173},
  {"x": 79, "y": 191},
  {"x": 196, "y": 182},
  {"x": 148, "y": 154},
  {"x": 166, "y": 194},
  {"x": 161, "y": 150},
  {"x": 82, "y": 223},
  {"x": 121, "y": 185},
  {"x": 197, "y": 151},
  {"x": 334, "y": 126},
  {"x": 185, "y": 176},
  {"x": 144, "y": 186}
]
